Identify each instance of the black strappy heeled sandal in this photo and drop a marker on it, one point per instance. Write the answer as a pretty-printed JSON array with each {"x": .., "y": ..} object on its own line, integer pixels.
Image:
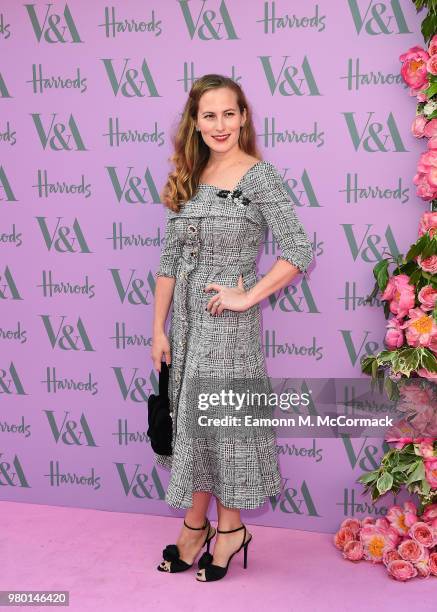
[
  {"x": 216, "y": 572},
  {"x": 171, "y": 551}
]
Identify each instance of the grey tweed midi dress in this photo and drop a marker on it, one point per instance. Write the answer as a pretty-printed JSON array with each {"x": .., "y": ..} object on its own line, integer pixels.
[{"x": 215, "y": 238}]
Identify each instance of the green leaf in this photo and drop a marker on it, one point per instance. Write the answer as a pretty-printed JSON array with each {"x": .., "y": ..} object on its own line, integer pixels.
[
  {"x": 431, "y": 91},
  {"x": 402, "y": 467},
  {"x": 408, "y": 449},
  {"x": 405, "y": 361},
  {"x": 417, "y": 247},
  {"x": 430, "y": 248},
  {"x": 428, "y": 27},
  {"x": 426, "y": 488},
  {"x": 385, "y": 356},
  {"x": 390, "y": 388},
  {"x": 433, "y": 115},
  {"x": 375, "y": 494},
  {"x": 417, "y": 474},
  {"x": 380, "y": 272},
  {"x": 428, "y": 360},
  {"x": 419, "y": 4},
  {"x": 384, "y": 483},
  {"x": 408, "y": 268},
  {"x": 415, "y": 276},
  {"x": 366, "y": 364},
  {"x": 428, "y": 276},
  {"x": 369, "y": 477}
]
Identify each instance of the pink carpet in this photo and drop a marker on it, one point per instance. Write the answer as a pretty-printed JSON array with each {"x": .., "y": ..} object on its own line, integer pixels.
[{"x": 106, "y": 560}]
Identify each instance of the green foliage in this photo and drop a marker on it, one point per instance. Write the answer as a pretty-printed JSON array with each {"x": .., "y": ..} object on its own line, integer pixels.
[
  {"x": 404, "y": 361},
  {"x": 429, "y": 24},
  {"x": 405, "y": 467},
  {"x": 400, "y": 467}
]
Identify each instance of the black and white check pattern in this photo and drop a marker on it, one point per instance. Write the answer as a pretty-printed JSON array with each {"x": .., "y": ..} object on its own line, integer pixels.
[{"x": 215, "y": 239}]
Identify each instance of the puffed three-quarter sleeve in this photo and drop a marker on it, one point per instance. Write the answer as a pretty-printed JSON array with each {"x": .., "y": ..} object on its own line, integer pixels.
[
  {"x": 171, "y": 251},
  {"x": 278, "y": 211}
]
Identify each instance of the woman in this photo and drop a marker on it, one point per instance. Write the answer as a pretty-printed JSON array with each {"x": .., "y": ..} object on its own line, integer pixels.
[{"x": 220, "y": 199}]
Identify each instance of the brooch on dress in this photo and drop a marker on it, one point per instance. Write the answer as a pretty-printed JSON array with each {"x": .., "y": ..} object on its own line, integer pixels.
[{"x": 236, "y": 196}]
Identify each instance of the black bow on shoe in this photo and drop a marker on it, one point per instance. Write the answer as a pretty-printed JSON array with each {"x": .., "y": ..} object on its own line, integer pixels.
[
  {"x": 171, "y": 552},
  {"x": 204, "y": 560},
  {"x": 236, "y": 196}
]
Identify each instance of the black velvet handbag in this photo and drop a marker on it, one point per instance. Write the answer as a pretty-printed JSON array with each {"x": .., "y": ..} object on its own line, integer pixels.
[{"x": 160, "y": 429}]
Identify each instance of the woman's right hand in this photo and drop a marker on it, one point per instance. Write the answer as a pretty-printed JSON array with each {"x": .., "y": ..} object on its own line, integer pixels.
[{"x": 160, "y": 346}]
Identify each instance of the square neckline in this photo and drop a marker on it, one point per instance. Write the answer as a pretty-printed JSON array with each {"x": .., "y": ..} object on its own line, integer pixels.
[{"x": 260, "y": 161}]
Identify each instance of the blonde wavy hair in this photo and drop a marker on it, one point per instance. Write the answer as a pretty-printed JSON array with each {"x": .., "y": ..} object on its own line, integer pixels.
[{"x": 191, "y": 154}]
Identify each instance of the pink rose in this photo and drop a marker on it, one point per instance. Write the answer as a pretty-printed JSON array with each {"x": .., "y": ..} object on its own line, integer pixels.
[
  {"x": 414, "y": 394},
  {"x": 382, "y": 523},
  {"x": 414, "y": 70},
  {"x": 430, "y": 128},
  {"x": 424, "y": 189},
  {"x": 353, "y": 524},
  {"x": 409, "y": 507},
  {"x": 343, "y": 535},
  {"x": 427, "y": 159},
  {"x": 422, "y": 566},
  {"x": 427, "y": 297},
  {"x": 431, "y": 472},
  {"x": 421, "y": 329},
  {"x": 426, "y": 176},
  {"x": 414, "y": 397},
  {"x": 394, "y": 283},
  {"x": 353, "y": 551},
  {"x": 390, "y": 555},
  {"x": 376, "y": 541},
  {"x": 410, "y": 550},
  {"x": 416, "y": 53},
  {"x": 430, "y": 513},
  {"x": 400, "y": 294},
  {"x": 428, "y": 221},
  {"x": 422, "y": 533},
  {"x": 402, "y": 433},
  {"x": 394, "y": 337},
  {"x": 426, "y": 450},
  {"x": 431, "y": 64},
  {"x": 368, "y": 520},
  {"x": 432, "y": 143},
  {"x": 418, "y": 126},
  {"x": 433, "y": 563},
  {"x": 401, "y": 519},
  {"x": 424, "y": 373},
  {"x": 401, "y": 570},
  {"x": 432, "y": 47},
  {"x": 429, "y": 264}
]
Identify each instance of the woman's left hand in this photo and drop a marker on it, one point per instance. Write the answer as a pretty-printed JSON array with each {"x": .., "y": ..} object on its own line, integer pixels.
[{"x": 232, "y": 298}]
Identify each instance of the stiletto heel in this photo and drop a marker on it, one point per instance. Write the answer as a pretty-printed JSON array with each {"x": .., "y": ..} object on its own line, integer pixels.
[
  {"x": 216, "y": 572},
  {"x": 171, "y": 552},
  {"x": 245, "y": 555}
]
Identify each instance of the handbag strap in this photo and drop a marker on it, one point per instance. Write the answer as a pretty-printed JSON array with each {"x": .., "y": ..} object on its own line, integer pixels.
[{"x": 163, "y": 379}]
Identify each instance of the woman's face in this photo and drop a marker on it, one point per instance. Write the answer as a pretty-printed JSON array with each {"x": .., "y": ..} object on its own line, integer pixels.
[{"x": 219, "y": 115}]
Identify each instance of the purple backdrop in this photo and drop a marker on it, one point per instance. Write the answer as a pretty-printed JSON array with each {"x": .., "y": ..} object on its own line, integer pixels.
[{"x": 89, "y": 94}]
